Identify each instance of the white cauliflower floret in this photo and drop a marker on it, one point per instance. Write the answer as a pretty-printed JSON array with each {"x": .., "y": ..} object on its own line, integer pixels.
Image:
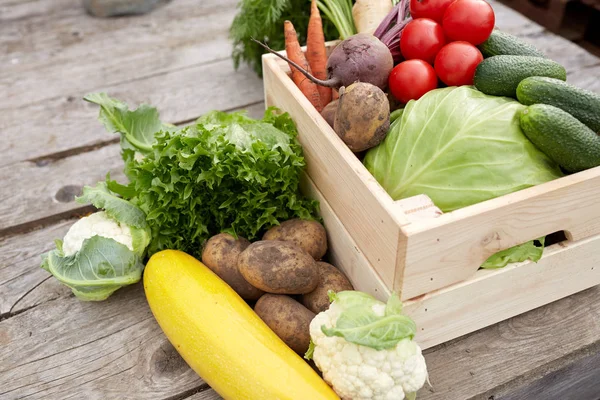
[
  {"x": 99, "y": 224},
  {"x": 358, "y": 372}
]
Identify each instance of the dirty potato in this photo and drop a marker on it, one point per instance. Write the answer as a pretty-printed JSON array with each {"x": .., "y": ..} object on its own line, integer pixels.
[
  {"x": 330, "y": 278},
  {"x": 221, "y": 255},
  {"x": 279, "y": 267},
  {"x": 309, "y": 235},
  {"x": 289, "y": 319},
  {"x": 362, "y": 119}
]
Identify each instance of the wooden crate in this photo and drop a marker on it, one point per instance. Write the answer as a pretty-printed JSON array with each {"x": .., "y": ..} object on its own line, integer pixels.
[{"x": 433, "y": 263}]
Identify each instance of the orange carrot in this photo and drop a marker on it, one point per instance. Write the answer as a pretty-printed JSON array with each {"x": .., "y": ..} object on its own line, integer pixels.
[
  {"x": 294, "y": 53},
  {"x": 315, "y": 51},
  {"x": 335, "y": 95}
]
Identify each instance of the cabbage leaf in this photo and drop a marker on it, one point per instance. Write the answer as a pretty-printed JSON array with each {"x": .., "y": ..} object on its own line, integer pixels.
[{"x": 459, "y": 147}]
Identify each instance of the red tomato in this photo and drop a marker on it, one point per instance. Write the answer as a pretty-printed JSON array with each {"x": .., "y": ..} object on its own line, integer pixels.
[
  {"x": 469, "y": 20},
  {"x": 422, "y": 38},
  {"x": 433, "y": 9},
  {"x": 411, "y": 79},
  {"x": 456, "y": 62}
]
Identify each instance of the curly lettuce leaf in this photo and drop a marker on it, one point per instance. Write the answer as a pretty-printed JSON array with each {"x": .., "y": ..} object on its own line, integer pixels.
[
  {"x": 459, "y": 147},
  {"x": 101, "y": 267},
  {"x": 520, "y": 253},
  {"x": 361, "y": 323},
  {"x": 225, "y": 173},
  {"x": 117, "y": 208},
  {"x": 136, "y": 127}
]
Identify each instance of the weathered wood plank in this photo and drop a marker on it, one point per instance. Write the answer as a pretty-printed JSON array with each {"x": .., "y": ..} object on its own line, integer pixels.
[
  {"x": 579, "y": 380},
  {"x": 20, "y": 274},
  {"x": 11, "y": 10},
  {"x": 208, "y": 394},
  {"x": 113, "y": 349},
  {"x": 70, "y": 123},
  {"x": 478, "y": 365},
  {"x": 23, "y": 283},
  {"x": 42, "y": 87},
  {"x": 84, "y": 53}
]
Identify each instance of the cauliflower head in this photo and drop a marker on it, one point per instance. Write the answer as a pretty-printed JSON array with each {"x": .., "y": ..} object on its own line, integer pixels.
[
  {"x": 98, "y": 223},
  {"x": 359, "y": 371}
]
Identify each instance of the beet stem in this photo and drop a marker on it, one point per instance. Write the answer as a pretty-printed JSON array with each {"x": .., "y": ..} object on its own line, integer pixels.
[{"x": 332, "y": 82}]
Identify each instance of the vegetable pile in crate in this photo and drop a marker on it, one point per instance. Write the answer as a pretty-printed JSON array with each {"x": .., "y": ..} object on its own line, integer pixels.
[{"x": 474, "y": 169}]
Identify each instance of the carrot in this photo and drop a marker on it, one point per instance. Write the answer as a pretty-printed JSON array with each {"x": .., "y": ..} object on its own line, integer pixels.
[
  {"x": 315, "y": 51},
  {"x": 295, "y": 54},
  {"x": 335, "y": 95}
]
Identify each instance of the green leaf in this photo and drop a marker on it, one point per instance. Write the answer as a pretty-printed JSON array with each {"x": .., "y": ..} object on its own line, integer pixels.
[
  {"x": 363, "y": 320},
  {"x": 119, "y": 209},
  {"x": 459, "y": 147},
  {"x": 125, "y": 191},
  {"x": 523, "y": 252},
  {"x": 394, "y": 305},
  {"x": 361, "y": 325},
  {"x": 410, "y": 396},
  {"x": 101, "y": 267},
  {"x": 311, "y": 350},
  {"x": 138, "y": 127}
]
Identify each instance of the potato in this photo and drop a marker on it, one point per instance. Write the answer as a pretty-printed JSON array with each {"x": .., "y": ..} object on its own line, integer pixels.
[
  {"x": 329, "y": 112},
  {"x": 330, "y": 278},
  {"x": 279, "y": 267},
  {"x": 289, "y": 319},
  {"x": 309, "y": 235},
  {"x": 221, "y": 255},
  {"x": 362, "y": 119}
]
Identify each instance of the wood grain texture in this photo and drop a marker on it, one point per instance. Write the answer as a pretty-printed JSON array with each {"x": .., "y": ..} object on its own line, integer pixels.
[
  {"x": 482, "y": 364},
  {"x": 23, "y": 283},
  {"x": 468, "y": 306},
  {"x": 208, "y": 394},
  {"x": 46, "y": 75},
  {"x": 68, "y": 349},
  {"x": 579, "y": 380},
  {"x": 43, "y": 190},
  {"x": 451, "y": 247},
  {"x": 69, "y": 122}
]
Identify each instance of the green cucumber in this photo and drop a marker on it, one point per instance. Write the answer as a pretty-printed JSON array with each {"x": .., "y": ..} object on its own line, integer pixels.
[
  {"x": 582, "y": 104},
  {"x": 501, "y": 43},
  {"x": 500, "y": 75},
  {"x": 562, "y": 137}
]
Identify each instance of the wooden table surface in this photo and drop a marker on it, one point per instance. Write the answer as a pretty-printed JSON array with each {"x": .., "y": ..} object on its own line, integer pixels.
[{"x": 53, "y": 346}]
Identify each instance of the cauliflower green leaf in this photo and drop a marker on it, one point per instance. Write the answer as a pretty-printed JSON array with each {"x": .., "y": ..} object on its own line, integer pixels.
[
  {"x": 117, "y": 208},
  {"x": 369, "y": 322},
  {"x": 96, "y": 271},
  {"x": 526, "y": 251}
]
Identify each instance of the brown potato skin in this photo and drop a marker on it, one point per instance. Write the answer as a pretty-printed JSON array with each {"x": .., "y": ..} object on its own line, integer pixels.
[
  {"x": 221, "y": 254},
  {"x": 289, "y": 320},
  {"x": 329, "y": 112},
  {"x": 310, "y": 236},
  {"x": 362, "y": 119},
  {"x": 279, "y": 267},
  {"x": 330, "y": 278}
]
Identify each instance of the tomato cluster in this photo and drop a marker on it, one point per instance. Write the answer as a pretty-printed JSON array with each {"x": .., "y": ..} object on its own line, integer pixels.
[{"x": 440, "y": 42}]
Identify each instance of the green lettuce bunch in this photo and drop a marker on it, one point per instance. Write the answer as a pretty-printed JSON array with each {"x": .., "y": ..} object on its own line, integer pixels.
[{"x": 224, "y": 173}]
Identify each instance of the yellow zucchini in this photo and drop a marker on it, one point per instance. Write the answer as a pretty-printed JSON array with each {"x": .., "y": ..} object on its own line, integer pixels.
[{"x": 221, "y": 337}]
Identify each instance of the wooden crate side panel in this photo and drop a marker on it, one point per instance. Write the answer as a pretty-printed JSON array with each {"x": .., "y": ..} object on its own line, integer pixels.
[
  {"x": 343, "y": 251},
  {"x": 351, "y": 191},
  {"x": 450, "y": 248},
  {"x": 493, "y": 296}
]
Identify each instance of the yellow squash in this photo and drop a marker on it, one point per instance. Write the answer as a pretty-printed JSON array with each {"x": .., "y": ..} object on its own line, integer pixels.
[{"x": 221, "y": 337}]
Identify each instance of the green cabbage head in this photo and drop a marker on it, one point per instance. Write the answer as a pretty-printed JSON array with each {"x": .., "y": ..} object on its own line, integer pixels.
[{"x": 459, "y": 147}]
